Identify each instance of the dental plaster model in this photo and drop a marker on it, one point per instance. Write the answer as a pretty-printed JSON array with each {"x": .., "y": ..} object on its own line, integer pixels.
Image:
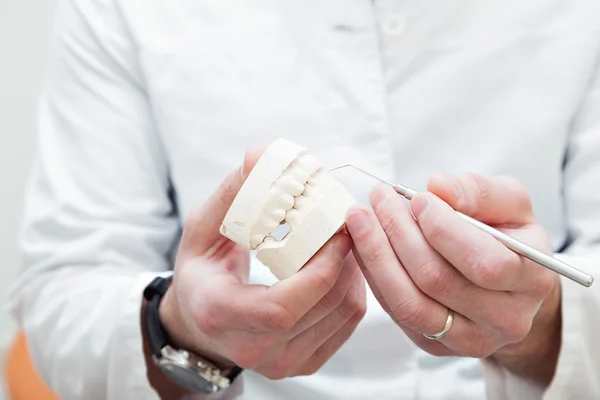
[{"x": 287, "y": 185}]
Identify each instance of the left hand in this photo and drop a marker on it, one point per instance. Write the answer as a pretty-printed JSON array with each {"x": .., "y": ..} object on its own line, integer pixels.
[{"x": 421, "y": 268}]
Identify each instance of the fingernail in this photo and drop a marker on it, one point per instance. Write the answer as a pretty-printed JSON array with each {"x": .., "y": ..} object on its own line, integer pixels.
[
  {"x": 420, "y": 204},
  {"x": 358, "y": 223},
  {"x": 379, "y": 194},
  {"x": 341, "y": 247}
]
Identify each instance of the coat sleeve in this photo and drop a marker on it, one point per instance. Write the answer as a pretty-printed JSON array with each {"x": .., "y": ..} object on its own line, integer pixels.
[
  {"x": 98, "y": 223},
  {"x": 578, "y": 370}
]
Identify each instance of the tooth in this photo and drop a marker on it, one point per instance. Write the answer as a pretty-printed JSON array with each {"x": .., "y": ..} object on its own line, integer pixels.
[
  {"x": 315, "y": 179},
  {"x": 301, "y": 202},
  {"x": 279, "y": 215},
  {"x": 308, "y": 191},
  {"x": 271, "y": 225},
  {"x": 286, "y": 202},
  {"x": 255, "y": 240},
  {"x": 269, "y": 239},
  {"x": 293, "y": 217},
  {"x": 290, "y": 186},
  {"x": 301, "y": 174},
  {"x": 309, "y": 163}
]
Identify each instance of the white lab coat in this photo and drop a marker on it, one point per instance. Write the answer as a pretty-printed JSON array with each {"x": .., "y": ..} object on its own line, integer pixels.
[{"x": 149, "y": 104}]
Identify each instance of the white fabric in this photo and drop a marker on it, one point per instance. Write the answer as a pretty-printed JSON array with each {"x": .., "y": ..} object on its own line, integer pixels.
[{"x": 148, "y": 98}]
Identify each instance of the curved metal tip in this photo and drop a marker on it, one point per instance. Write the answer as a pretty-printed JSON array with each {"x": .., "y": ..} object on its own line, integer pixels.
[{"x": 364, "y": 172}]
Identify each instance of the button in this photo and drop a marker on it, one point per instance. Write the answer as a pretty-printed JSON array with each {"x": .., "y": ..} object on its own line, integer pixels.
[{"x": 394, "y": 25}]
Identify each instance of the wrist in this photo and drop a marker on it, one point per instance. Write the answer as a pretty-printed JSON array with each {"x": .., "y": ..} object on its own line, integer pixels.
[
  {"x": 536, "y": 357},
  {"x": 178, "y": 329},
  {"x": 189, "y": 370}
]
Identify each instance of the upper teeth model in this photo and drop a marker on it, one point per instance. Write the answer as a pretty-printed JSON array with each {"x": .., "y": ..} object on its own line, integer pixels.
[{"x": 287, "y": 185}]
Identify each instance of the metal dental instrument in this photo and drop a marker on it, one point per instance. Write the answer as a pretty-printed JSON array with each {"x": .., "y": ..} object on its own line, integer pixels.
[{"x": 518, "y": 247}]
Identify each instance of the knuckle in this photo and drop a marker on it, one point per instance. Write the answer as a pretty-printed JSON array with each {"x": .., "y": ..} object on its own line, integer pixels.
[
  {"x": 390, "y": 223},
  {"x": 482, "y": 349},
  {"x": 433, "y": 277},
  {"x": 332, "y": 300},
  {"x": 361, "y": 311},
  {"x": 409, "y": 313},
  {"x": 545, "y": 284},
  {"x": 521, "y": 194},
  {"x": 377, "y": 256},
  {"x": 434, "y": 228},
  {"x": 278, "y": 369},
  {"x": 491, "y": 272},
  {"x": 516, "y": 329},
  {"x": 207, "y": 323},
  {"x": 245, "y": 360},
  {"x": 481, "y": 186},
  {"x": 350, "y": 306},
  {"x": 250, "y": 357},
  {"x": 479, "y": 346},
  {"x": 324, "y": 279},
  {"x": 280, "y": 318},
  {"x": 475, "y": 343},
  {"x": 309, "y": 369}
]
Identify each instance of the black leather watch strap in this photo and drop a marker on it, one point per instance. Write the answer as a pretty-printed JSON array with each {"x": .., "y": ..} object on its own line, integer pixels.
[{"x": 154, "y": 292}]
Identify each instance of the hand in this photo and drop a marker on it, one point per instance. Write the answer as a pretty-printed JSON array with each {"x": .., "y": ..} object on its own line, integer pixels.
[
  {"x": 291, "y": 328},
  {"x": 420, "y": 268}
]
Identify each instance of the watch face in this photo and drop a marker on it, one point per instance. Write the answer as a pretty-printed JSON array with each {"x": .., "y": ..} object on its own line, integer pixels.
[{"x": 187, "y": 378}]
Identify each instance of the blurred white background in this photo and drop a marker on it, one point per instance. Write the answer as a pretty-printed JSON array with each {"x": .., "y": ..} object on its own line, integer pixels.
[{"x": 24, "y": 33}]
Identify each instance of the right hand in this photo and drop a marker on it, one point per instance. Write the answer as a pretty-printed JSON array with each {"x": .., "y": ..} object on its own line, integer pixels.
[{"x": 291, "y": 328}]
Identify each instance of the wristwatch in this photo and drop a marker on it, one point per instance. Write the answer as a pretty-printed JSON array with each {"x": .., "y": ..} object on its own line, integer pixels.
[{"x": 186, "y": 369}]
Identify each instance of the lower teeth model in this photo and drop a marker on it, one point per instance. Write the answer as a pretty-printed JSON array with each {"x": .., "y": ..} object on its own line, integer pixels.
[{"x": 287, "y": 185}]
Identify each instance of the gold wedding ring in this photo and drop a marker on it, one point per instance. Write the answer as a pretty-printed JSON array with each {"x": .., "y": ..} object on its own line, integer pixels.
[{"x": 444, "y": 331}]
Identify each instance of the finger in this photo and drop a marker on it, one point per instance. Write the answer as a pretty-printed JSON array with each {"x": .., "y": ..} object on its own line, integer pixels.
[
  {"x": 330, "y": 347},
  {"x": 304, "y": 345},
  {"x": 299, "y": 293},
  {"x": 408, "y": 305},
  {"x": 477, "y": 255},
  {"x": 332, "y": 300},
  {"x": 201, "y": 228},
  {"x": 426, "y": 267},
  {"x": 279, "y": 307},
  {"x": 498, "y": 200}
]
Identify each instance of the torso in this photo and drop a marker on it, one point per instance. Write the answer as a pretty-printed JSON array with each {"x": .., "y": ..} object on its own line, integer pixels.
[{"x": 401, "y": 88}]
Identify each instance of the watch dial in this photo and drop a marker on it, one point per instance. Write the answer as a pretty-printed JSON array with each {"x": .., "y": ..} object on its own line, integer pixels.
[{"x": 188, "y": 379}]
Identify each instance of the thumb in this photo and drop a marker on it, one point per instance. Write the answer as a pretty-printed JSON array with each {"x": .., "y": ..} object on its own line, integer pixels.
[
  {"x": 201, "y": 229},
  {"x": 496, "y": 200}
]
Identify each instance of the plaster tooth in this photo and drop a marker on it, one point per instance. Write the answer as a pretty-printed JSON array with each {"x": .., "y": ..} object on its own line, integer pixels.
[
  {"x": 293, "y": 217},
  {"x": 269, "y": 239},
  {"x": 290, "y": 185},
  {"x": 309, "y": 191},
  {"x": 300, "y": 174},
  {"x": 279, "y": 215},
  {"x": 255, "y": 240},
  {"x": 286, "y": 201},
  {"x": 301, "y": 202},
  {"x": 271, "y": 225},
  {"x": 315, "y": 180},
  {"x": 310, "y": 164}
]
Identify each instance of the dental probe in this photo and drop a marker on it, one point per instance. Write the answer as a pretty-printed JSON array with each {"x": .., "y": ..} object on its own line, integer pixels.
[{"x": 518, "y": 247}]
